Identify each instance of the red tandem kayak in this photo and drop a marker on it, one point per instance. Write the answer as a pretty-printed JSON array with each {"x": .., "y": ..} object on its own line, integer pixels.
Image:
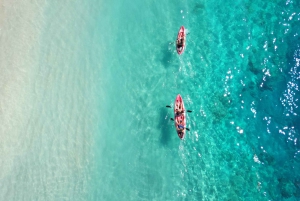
[
  {"x": 180, "y": 117},
  {"x": 181, "y": 36}
]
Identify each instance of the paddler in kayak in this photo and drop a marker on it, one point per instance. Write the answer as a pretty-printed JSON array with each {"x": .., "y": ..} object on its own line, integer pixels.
[
  {"x": 179, "y": 124},
  {"x": 180, "y": 134},
  {"x": 179, "y": 108},
  {"x": 180, "y": 43},
  {"x": 180, "y": 128}
]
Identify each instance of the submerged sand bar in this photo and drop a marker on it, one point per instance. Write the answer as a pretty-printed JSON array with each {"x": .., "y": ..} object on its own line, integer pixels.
[{"x": 19, "y": 39}]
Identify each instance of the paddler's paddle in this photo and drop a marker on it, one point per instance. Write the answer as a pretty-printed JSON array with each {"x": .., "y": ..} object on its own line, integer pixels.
[
  {"x": 185, "y": 127},
  {"x": 171, "y": 107}
]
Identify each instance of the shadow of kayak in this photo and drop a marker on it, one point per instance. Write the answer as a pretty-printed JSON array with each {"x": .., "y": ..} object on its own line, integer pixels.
[
  {"x": 167, "y": 54},
  {"x": 164, "y": 126}
]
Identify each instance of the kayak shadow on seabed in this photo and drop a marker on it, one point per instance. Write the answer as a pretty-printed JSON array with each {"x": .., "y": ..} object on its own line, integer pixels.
[
  {"x": 164, "y": 126},
  {"x": 168, "y": 51}
]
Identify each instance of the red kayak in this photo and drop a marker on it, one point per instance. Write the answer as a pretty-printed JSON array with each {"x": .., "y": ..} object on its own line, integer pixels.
[
  {"x": 180, "y": 42},
  {"x": 180, "y": 117}
]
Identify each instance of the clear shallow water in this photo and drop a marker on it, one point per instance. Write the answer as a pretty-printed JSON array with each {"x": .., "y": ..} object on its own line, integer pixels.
[{"x": 98, "y": 128}]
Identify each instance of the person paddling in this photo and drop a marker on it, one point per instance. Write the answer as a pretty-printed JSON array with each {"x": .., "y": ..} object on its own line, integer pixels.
[
  {"x": 179, "y": 125},
  {"x": 180, "y": 134},
  {"x": 179, "y": 108},
  {"x": 180, "y": 43}
]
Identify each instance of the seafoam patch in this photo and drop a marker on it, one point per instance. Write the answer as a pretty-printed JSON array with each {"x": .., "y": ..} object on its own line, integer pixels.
[{"x": 256, "y": 160}]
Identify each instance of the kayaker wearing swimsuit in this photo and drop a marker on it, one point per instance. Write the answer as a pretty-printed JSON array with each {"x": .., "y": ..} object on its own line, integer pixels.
[
  {"x": 180, "y": 43},
  {"x": 179, "y": 109},
  {"x": 179, "y": 126},
  {"x": 180, "y": 129},
  {"x": 180, "y": 134}
]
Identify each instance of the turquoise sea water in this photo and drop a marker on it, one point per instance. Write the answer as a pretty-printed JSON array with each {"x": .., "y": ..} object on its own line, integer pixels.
[{"x": 90, "y": 122}]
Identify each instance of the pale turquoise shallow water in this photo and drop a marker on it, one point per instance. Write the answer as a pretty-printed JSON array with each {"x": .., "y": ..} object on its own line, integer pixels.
[{"x": 98, "y": 128}]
